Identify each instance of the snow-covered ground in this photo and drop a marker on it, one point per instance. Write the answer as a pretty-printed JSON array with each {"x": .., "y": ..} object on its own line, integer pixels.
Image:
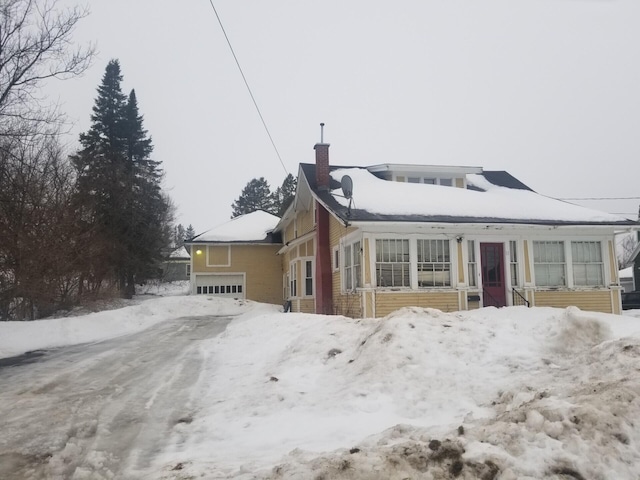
[{"x": 510, "y": 393}]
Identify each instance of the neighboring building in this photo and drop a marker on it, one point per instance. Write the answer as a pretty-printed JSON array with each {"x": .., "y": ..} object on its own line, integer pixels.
[
  {"x": 626, "y": 279},
  {"x": 176, "y": 266},
  {"x": 446, "y": 237},
  {"x": 238, "y": 259}
]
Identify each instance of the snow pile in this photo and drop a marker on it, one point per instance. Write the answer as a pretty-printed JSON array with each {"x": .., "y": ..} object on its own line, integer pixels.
[
  {"x": 252, "y": 226},
  {"x": 516, "y": 392},
  {"x": 511, "y": 393}
]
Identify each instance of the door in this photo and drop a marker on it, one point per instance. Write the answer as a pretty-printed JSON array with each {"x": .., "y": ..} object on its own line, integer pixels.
[
  {"x": 229, "y": 286},
  {"x": 493, "y": 283}
]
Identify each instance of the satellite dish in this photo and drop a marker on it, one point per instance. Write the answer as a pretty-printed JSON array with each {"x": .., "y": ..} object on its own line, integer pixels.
[{"x": 347, "y": 186}]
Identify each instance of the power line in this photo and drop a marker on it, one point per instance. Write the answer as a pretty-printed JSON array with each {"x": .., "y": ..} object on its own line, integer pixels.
[
  {"x": 248, "y": 88},
  {"x": 602, "y": 198}
]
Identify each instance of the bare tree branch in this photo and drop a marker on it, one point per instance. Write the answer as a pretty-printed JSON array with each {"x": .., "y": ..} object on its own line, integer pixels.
[{"x": 36, "y": 45}]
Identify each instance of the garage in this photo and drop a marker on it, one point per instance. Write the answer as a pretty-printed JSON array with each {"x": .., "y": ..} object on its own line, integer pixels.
[{"x": 227, "y": 285}]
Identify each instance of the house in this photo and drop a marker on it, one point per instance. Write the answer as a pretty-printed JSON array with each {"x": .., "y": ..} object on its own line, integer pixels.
[
  {"x": 238, "y": 259},
  {"x": 176, "y": 266},
  {"x": 626, "y": 279},
  {"x": 365, "y": 241}
]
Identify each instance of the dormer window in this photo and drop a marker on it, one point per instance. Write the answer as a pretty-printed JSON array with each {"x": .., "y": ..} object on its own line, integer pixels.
[{"x": 444, "y": 181}]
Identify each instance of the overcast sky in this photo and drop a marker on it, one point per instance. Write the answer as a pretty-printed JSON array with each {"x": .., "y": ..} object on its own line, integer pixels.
[{"x": 548, "y": 90}]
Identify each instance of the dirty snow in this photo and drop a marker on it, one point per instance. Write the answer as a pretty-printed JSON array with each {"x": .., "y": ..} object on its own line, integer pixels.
[
  {"x": 384, "y": 197},
  {"x": 510, "y": 393}
]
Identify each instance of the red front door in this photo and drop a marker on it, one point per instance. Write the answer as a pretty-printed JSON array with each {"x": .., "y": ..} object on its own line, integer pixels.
[{"x": 492, "y": 265}]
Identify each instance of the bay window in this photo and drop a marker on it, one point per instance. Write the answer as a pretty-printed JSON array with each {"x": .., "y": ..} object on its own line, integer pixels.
[
  {"x": 434, "y": 263},
  {"x": 392, "y": 262},
  {"x": 549, "y": 263}
]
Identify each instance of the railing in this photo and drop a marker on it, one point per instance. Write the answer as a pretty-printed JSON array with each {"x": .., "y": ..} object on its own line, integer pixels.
[
  {"x": 489, "y": 300},
  {"x": 518, "y": 298}
]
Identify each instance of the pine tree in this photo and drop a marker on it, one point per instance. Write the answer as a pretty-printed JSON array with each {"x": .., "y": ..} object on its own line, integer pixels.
[
  {"x": 179, "y": 235},
  {"x": 102, "y": 181},
  {"x": 256, "y": 195},
  {"x": 283, "y": 196},
  {"x": 119, "y": 186},
  {"x": 189, "y": 232}
]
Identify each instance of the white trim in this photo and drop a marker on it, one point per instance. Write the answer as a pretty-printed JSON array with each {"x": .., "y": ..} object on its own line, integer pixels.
[{"x": 194, "y": 281}]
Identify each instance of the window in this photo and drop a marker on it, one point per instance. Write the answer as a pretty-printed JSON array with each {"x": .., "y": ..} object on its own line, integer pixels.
[
  {"x": 392, "y": 263},
  {"x": 413, "y": 179},
  {"x": 336, "y": 259},
  {"x": 513, "y": 262},
  {"x": 473, "y": 266},
  {"x": 188, "y": 265},
  {"x": 586, "y": 260},
  {"x": 549, "y": 263},
  {"x": 434, "y": 263},
  {"x": 352, "y": 270},
  {"x": 293, "y": 280},
  {"x": 308, "y": 278},
  {"x": 447, "y": 182}
]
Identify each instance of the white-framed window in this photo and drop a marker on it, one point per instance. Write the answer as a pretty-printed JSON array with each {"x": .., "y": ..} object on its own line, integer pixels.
[
  {"x": 549, "y": 263},
  {"x": 433, "y": 263},
  {"x": 352, "y": 266},
  {"x": 392, "y": 262},
  {"x": 587, "y": 264},
  {"x": 444, "y": 181},
  {"x": 188, "y": 269},
  {"x": 308, "y": 278},
  {"x": 336, "y": 258},
  {"x": 472, "y": 264},
  {"x": 513, "y": 262},
  {"x": 293, "y": 279}
]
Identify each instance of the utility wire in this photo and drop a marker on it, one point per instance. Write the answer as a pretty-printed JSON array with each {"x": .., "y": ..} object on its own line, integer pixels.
[
  {"x": 602, "y": 198},
  {"x": 248, "y": 88}
]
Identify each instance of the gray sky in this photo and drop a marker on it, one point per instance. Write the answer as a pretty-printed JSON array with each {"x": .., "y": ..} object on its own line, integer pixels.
[{"x": 548, "y": 90}]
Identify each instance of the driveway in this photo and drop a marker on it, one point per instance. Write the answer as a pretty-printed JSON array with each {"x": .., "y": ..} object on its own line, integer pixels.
[{"x": 102, "y": 410}]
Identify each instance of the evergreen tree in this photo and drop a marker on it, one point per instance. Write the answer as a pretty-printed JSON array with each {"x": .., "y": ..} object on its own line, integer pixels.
[
  {"x": 256, "y": 195},
  {"x": 119, "y": 186},
  {"x": 283, "y": 196},
  {"x": 189, "y": 232},
  {"x": 179, "y": 235}
]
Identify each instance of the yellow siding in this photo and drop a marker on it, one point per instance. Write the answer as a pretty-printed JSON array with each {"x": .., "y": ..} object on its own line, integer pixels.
[
  {"x": 367, "y": 263},
  {"x": 473, "y": 305},
  {"x": 527, "y": 268},
  {"x": 307, "y": 305},
  {"x": 597, "y": 301},
  {"x": 460, "y": 264},
  {"x": 305, "y": 221},
  {"x": 613, "y": 263},
  {"x": 218, "y": 255},
  {"x": 310, "y": 251},
  {"x": 399, "y": 178},
  {"x": 260, "y": 263},
  {"x": 348, "y": 305},
  {"x": 459, "y": 183},
  {"x": 387, "y": 302}
]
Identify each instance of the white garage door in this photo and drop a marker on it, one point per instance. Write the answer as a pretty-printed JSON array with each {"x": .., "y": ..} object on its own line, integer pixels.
[{"x": 230, "y": 286}]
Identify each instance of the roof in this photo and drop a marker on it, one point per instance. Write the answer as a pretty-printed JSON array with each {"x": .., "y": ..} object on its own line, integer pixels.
[
  {"x": 491, "y": 197},
  {"x": 179, "y": 253},
  {"x": 254, "y": 227}
]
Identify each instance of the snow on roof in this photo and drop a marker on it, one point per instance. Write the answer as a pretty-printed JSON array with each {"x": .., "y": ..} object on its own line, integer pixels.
[
  {"x": 252, "y": 226},
  {"x": 386, "y": 197},
  {"x": 626, "y": 272},
  {"x": 179, "y": 252}
]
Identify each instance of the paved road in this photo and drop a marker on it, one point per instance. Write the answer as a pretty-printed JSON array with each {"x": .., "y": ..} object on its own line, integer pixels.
[{"x": 99, "y": 410}]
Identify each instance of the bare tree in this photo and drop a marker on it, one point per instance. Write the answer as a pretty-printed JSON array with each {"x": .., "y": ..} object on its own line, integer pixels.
[
  {"x": 625, "y": 247},
  {"x": 35, "y": 45}
]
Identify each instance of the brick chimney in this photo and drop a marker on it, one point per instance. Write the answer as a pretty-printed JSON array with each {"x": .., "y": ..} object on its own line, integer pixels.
[
  {"x": 322, "y": 162},
  {"x": 324, "y": 286}
]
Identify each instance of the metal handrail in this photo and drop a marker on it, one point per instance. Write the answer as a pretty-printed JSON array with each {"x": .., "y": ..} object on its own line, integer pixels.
[{"x": 518, "y": 298}]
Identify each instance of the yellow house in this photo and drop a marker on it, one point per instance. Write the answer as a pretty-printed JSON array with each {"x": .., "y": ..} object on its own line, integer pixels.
[
  {"x": 238, "y": 259},
  {"x": 365, "y": 241}
]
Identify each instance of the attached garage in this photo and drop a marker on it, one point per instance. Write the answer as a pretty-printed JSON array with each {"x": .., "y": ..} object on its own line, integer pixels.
[{"x": 230, "y": 285}]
